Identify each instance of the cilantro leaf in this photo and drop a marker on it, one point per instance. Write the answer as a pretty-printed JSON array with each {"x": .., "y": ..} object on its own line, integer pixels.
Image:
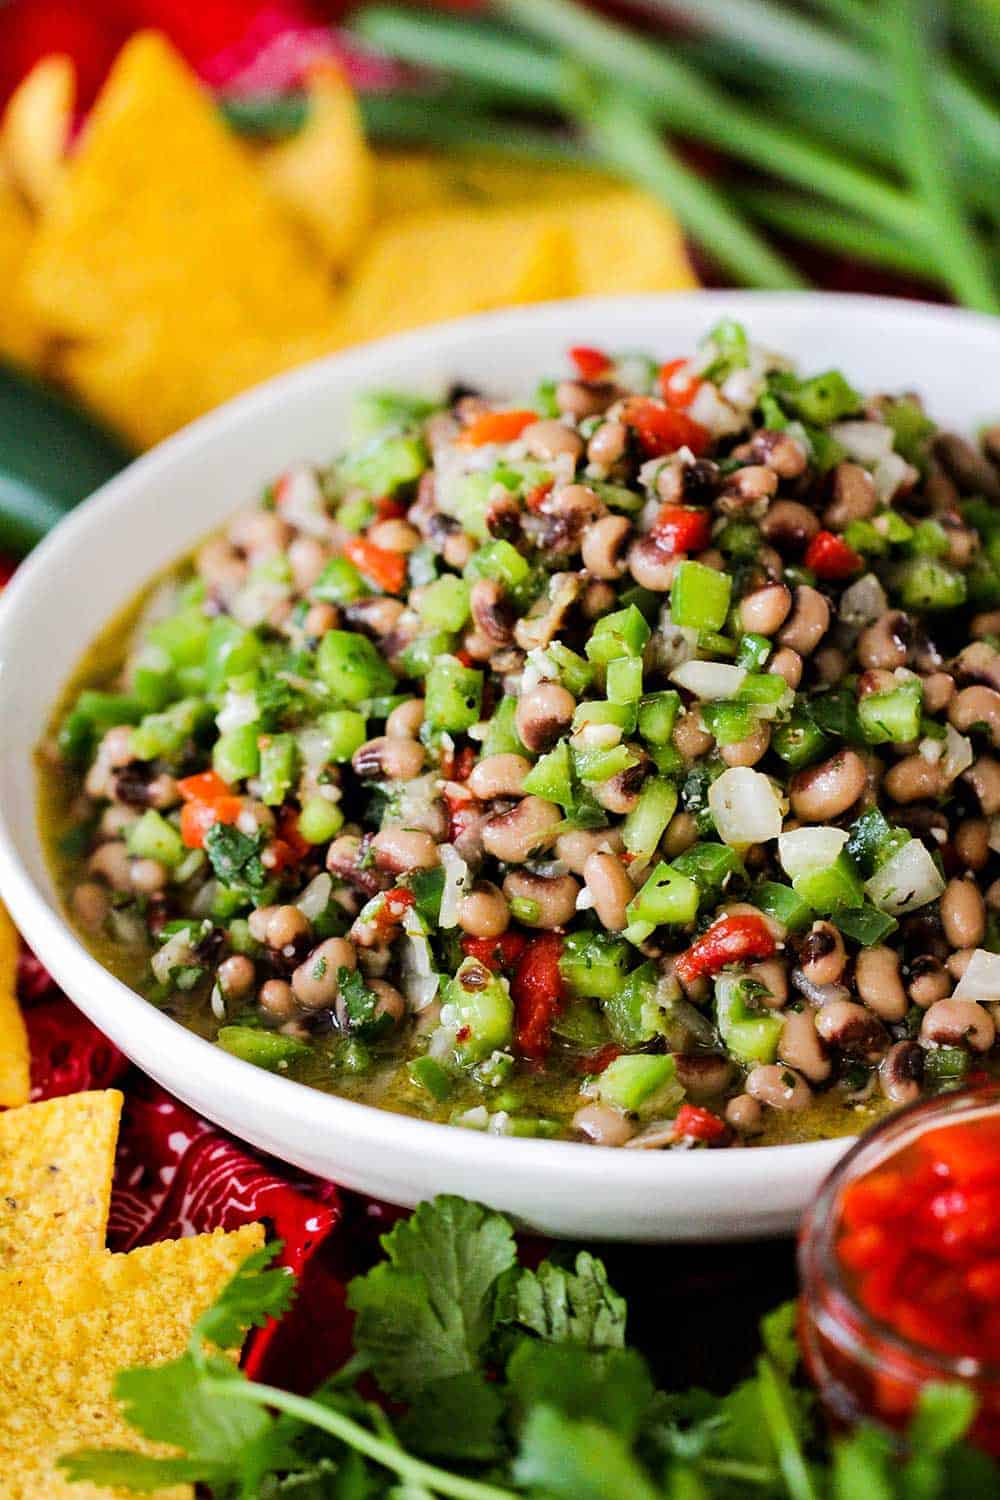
[
  {"x": 427, "y": 1311},
  {"x": 612, "y": 1387},
  {"x": 942, "y": 1418},
  {"x": 779, "y": 1337},
  {"x": 235, "y": 857},
  {"x": 569, "y": 1460},
  {"x": 253, "y": 1295},
  {"x": 114, "y": 1467},
  {"x": 360, "y": 1002},
  {"x": 455, "y": 1418},
  {"x": 571, "y": 1307}
]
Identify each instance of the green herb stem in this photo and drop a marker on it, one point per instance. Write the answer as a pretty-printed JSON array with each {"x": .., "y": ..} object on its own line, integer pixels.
[
  {"x": 624, "y": 139},
  {"x": 963, "y": 264},
  {"x": 315, "y": 1414},
  {"x": 820, "y": 224},
  {"x": 791, "y": 1461},
  {"x": 442, "y": 120}
]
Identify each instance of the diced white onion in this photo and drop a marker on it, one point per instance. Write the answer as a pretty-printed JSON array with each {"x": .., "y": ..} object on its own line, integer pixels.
[
  {"x": 908, "y": 880},
  {"x": 456, "y": 882},
  {"x": 238, "y": 710},
  {"x": 474, "y": 1119},
  {"x": 176, "y": 953},
  {"x": 745, "y": 806},
  {"x": 863, "y": 602},
  {"x": 865, "y": 442},
  {"x": 674, "y": 644},
  {"x": 712, "y": 681},
  {"x": 300, "y": 501},
  {"x": 957, "y": 754},
  {"x": 316, "y": 897},
  {"x": 981, "y": 980},
  {"x": 930, "y": 750},
  {"x": 804, "y": 849},
  {"x": 890, "y": 474},
  {"x": 538, "y": 667},
  {"x": 314, "y": 746},
  {"x": 742, "y": 389},
  {"x": 420, "y": 983},
  {"x": 711, "y": 411}
]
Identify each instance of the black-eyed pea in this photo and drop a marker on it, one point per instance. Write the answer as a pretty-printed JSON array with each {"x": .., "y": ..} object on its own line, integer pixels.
[
  {"x": 963, "y": 914},
  {"x": 852, "y": 1029},
  {"x": 703, "y": 1075},
  {"x": 914, "y": 779},
  {"x": 972, "y": 843},
  {"x": 748, "y": 751},
  {"x": 543, "y": 714},
  {"x": 956, "y": 963},
  {"x": 929, "y": 981},
  {"x": 786, "y": 663},
  {"x": 483, "y": 912},
  {"x": 514, "y": 836},
  {"x": 602, "y": 1125},
  {"x": 822, "y": 955},
  {"x": 820, "y": 793},
  {"x": 400, "y": 849},
  {"x": 550, "y": 438},
  {"x": 236, "y": 976},
  {"x": 610, "y": 888},
  {"x": 285, "y": 926},
  {"x": 405, "y": 719},
  {"x": 390, "y": 756},
  {"x": 277, "y": 1000},
  {"x": 745, "y": 1115},
  {"x": 878, "y": 982},
  {"x": 316, "y": 980},
  {"x": 499, "y": 776},
  {"x": 801, "y": 1048},
  {"x": 545, "y": 901},
  {"x": 90, "y": 903},
  {"x": 808, "y": 622},
  {"x": 681, "y": 834},
  {"x": 576, "y": 847},
  {"x": 886, "y": 642},
  {"x": 901, "y": 1072},
  {"x": 605, "y": 545},
  {"x": 939, "y": 689},
  {"x": 974, "y": 706},
  {"x": 779, "y": 1087},
  {"x": 958, "y": 1023},
  {"x": 765, "y": 610}
]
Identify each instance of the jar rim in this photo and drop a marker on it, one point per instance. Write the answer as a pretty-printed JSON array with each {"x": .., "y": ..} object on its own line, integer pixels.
[{"x": 821, "y": 1272}]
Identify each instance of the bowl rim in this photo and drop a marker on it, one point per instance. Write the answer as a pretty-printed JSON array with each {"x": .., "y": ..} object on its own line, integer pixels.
[{"x": 50, "y": 934}]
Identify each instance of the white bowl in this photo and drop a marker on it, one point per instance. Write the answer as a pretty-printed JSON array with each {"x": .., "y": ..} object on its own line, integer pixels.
[{"x": 99, "y": 557}]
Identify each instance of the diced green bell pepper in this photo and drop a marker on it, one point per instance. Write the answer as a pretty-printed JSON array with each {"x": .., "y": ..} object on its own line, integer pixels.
[
  {"x": 598, "y": 711},
  {"x": 502, "y": 737},
  {"x": 551, "y": 777},
  {"x": 728, "y": 723},
  {"x": 623, "y": 633},
  {"x": 265, "y": 1049},
  {"x": 865, "y": 924},
  {"x": 892, "y": 717},
  {"x": 444, "y": 605},
  {"x": 339, "y": 583},
  {"x": 699, "y": 596},
  {"x": 708, "y": 865},
  {"x": 575, "y": 673},
  {"x": 645, "y": 824},
  {"x": 421, "y": 654},
  {"x": 373, "y": 412},
  {"x": 152, "y": 837},
  {"x": 483, "y": 1018},
  {"x": 593, "y": 964},
  {"x": 230, "y": 650},
  {"x": 236, "y": 755},
  {"x": 782, "y": 903},
  {"x": 753, "y": 651},
  {"x": 600, "y": 765},
  {"x": 351, "y": 666},
  {"x": 640, "y": 1084},
  {"x": 429, "y": 1075},
  {"x": 320, "y": 820},
  {"x": 657, "y": 716},
  {"x": 826, "y": 890},
  {"x": 750, "y": 1037},
  {"x": 631, "y": 1012},
  {"x": 278, "y": 757},
  {"x": 453, "y": 695},
  {"x": 872, "y": 841},
  {"x": 668, "y": 897},
  {"x": 922, "y": 583},
  {"x": 624, "y": 679},
  {"x": 346, "y": 730},
  {"x": 383, "y": 465},
  {"x": 500, "y": 561}
]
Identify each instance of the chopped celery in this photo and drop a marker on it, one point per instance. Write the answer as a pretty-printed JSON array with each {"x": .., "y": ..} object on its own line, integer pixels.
[
  {"x": 183, "y": 636},
  {"x": 339, "y": 583},
  {"x": 782, "y": 903},
  {"x": 278, "y": 757},
  {"x": 351, "y": 666},
  {"x": 892, "y": 717},
  {"x": 623, "y": 633},
  {"x": 265, "y": 1049},
  {"x": 657, "y": 716},
  {"x": 645, "y": 824},
  {"x": 444, "y": 605},
  {"x": 320, "y": 820},
  {"x": 699, "y": 596},
  {"x": 640, "y": 1084},
  {"x": 236, "y": 755},
  {"x": 624, "y": 679},
  {"x": 668, "y": 897},
  {"x": 152, "y": 837},
  {"x": 593, "y": 964},
  {"x": 453, "y": 695}
]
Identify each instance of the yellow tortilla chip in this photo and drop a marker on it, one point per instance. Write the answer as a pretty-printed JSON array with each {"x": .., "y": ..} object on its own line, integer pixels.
[
  {"x": 325, "y": 175},
  {"x": 626, "y": 242},
  {"x": 409, "y": 182},
  {"x": 15, "y": 1068},
  {"x": 57, "y": 1159},
  {"x": 68, "y": 1327},
  {"x": 162, "y": 241},
  {"x": 22, "y": 338},
  {"x": 36, "y": 128},
  {"x": 429, "y": 267}
]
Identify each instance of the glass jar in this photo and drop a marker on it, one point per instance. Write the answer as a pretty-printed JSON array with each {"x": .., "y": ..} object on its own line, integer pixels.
[{"x": 865, "y": 1368}]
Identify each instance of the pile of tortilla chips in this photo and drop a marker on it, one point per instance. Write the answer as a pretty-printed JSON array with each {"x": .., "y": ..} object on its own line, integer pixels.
[
  {"x": 71, "y": 1313},
  {"x": 158, "y": 264}
]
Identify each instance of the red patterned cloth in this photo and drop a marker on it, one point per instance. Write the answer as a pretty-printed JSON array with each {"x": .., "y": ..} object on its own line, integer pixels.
[{"x": 178, "y": 1175}]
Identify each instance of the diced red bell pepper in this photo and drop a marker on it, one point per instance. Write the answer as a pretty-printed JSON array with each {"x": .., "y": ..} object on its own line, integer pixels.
[
  {"x": 730, "y": 940},
  {"x": 677, "y": 387},
  {"x": 288, "y": 832},
  {"x": 379, "y": 565},
  {"x": 496, "y": 427},
  {"x": 983, "y": 1280},
  {"x": 678, "y": 529},
  {"x": 661, "y": 430},
  {"x": 699, "y": 1124},
  {"x": 831, "y": 558},
  {"x": 967, "y": 1157},
  {"x": 537, "y": 992},
  {"x": 591, "y": 364},
  {"x": 390, "y": 508},
  {"x": 198, "y": 817},
  {"x": 538, "y": 494},
  {"x": 498, "y": 954},
  {"x": 207, "y": 786}
]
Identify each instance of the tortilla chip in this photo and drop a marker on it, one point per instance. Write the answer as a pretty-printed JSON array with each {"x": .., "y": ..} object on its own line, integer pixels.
[
  {"x": 36, "y": 128},
  {"x": 434, "y": 266},
  {"x": 57, "y": 1160},
  {"x": 626, "y": 242},
  {"x": 22, "y": 338},
  {"x": 68, "y": 1327},
  {"x": 324, "y": 175},
  {"x": 164, "y": 252},
  {"x": 15, "y": 1062},
  {"x": 409, "y": 182}
]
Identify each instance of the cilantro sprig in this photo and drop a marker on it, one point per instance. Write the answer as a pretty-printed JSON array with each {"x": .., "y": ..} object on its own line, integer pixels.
[{"x": 506, "y": 1381}]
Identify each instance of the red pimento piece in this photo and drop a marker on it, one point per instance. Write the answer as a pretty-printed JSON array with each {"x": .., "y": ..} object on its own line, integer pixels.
[
  {"x": 699, "y": 1124},
  {"x": 677, "y": 387},
  {"x": 207, "y": 786},
  {"x": 831, "y": 558},
  {"x": 678, "y": 529},
  {"x": 731, "y": 940},
  {"x": 379, "y": 565},
  {"x": 390, "y": 508},
  {"x": 591, "y": 364},
  {"x": 537, "y": 992},
  {"x": 496, "y": 427},
  {"x": 198, "y": 817},
  {"x": 498, "y": 954},
  {"x": 661, "y": 430},
  {"x": 595, "y": 1062},
  {"x": 536, "y": 497}
]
